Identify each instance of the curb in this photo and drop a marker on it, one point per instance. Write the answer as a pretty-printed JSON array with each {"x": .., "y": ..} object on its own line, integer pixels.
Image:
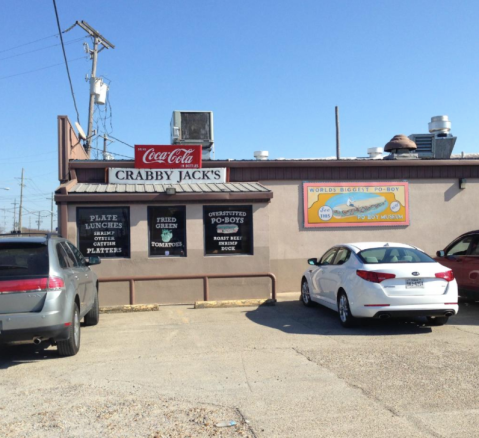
[
  {"x": 130, "y": 308},
  {"x": 233, "y": 303}
]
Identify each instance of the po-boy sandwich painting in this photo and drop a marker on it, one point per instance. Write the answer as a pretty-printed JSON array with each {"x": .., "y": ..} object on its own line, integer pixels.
[{"x": 355, "y": 204}]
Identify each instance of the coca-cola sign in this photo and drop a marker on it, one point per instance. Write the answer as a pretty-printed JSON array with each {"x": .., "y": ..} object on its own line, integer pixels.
[{"x": 167, "y": 157}]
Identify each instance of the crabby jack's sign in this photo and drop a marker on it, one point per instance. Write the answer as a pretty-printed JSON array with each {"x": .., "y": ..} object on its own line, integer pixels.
[
  {"x": 170, "y": 176},
  {"x": 355, "y": 204},
  {"x": 168, "y": 157}
]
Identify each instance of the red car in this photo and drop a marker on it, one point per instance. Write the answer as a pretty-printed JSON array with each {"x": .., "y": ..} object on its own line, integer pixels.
[{"x": 462, "y": 256}]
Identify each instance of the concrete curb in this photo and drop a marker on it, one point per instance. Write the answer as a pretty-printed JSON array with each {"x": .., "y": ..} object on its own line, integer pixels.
[
  {"x": 130, "y": 308},
  {"x": 234, "y": 303}
]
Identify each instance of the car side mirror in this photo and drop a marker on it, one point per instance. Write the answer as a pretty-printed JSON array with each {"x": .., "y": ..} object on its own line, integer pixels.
[
  {"x": 313, "y": 262},
  {"x": 440, "y": 253},
  {"x": 93, "y": 260}
]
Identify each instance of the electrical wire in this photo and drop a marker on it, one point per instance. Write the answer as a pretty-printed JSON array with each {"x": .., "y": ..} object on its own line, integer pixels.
[
  {"x": 114, "y": 138},
  {"x": 43, "y": 68},
  {"x": 66, "y": 61},
  {"x": 31, "y": 42},
  {"x": 43, "y": 48},
  {"x": 114, "y": 153}
]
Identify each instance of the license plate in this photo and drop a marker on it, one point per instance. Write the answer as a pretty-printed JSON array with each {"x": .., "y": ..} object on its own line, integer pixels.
[{"x": 414, "y": 283}]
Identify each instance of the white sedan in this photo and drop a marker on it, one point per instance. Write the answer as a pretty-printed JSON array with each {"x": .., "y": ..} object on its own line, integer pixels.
[{"x": 380, "y": 280}]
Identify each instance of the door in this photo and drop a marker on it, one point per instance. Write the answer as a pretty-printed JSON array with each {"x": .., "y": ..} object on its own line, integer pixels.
[
  {"x": 455, "y": 259},
  {"x": 86, "y": 273},
  {"x": 80, "y": 275},
  {"x": 67, "y": 263},
  {"x": 470, "y": 266},
  {"x": 321, "y": 276}
]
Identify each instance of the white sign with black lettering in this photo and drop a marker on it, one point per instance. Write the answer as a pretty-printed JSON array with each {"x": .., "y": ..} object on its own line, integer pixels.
[{"x": 166, "y": 176}]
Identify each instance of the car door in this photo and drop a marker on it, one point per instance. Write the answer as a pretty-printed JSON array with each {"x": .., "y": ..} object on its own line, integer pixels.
[
  {"x": 470, "y": 266},
  {"x": 81, "y": 277},
  {"x": 454, "y": 258},
  {"x": 67, "y": 263},
  {"x": 320, "y": 278},
  {"x": 86, "y": 273},
  {"x": 333, "y": 278}
]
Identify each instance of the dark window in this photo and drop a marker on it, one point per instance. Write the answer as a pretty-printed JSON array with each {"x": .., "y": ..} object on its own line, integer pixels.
[
  {"x": 70, "y": 257},
  {"x": 328, "y": 257},
  {"x": 394, "y": 255},
  {"x": 104, "y": 231},
  {"x": 228, "y": 229},
  {"x": 462, "y": 246},
  {"x": 62, "y": 256},
  {"x": 23, "y": 259},
  {"x": 79, "y": 259},
  {"x": 167, "y": 231},
  {"x": 342, "y": 256}
]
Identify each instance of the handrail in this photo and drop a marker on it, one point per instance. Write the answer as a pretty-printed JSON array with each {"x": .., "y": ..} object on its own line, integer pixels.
[{"x": 204, "y": 277}]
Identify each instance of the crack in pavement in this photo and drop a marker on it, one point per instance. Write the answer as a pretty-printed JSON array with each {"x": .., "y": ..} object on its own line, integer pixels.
[{"x": 415, "y": 421}]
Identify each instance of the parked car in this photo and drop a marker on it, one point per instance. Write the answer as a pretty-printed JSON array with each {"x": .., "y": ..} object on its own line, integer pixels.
[
  {"x": 380, "y": 280},
  {"x": 462, "y": 256},
  {"x": 46, "y": 288}
]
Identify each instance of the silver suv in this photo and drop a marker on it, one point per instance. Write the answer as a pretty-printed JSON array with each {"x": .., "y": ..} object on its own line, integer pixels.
[{"x": 46, "y": 288}]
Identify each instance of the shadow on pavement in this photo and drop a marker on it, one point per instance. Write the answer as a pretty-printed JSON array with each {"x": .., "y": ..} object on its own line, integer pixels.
[
  {"x": 293, "y": 317},
  {"x": 11, "y": 354}
]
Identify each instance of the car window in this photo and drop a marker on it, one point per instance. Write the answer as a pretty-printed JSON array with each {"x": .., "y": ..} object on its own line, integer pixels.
[
  {"x": 71, "y": 260},
  {"x": 461, "y": 247},
  {"x": 23, "y": 258},
  {"x": 474, "y": 247},
  {"x": 78, "y": 255},
  {"x": 394, "y": 255},
  {"x": 328, "y": 258},
  {"x": 342, "y": 256},
  {"x": 63, "y": 257}
]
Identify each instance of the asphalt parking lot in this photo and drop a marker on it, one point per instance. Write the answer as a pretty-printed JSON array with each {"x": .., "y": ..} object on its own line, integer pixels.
[{"x": 281, "y": 371}]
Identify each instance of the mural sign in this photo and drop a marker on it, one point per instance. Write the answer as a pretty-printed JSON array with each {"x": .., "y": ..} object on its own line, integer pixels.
[
  {"x": 370, "y": 204},
  {"x": 167, "y": 230}
]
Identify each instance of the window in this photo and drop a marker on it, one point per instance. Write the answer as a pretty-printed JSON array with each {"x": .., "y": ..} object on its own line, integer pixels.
[
  {"x": 393, "y": 255},
  {"x": 228, "y": 229},
  {"x": 23, "y": 259},
  {"x": 328, "y": 258},
  {"x": 80, "y": 260},
  {"x": 104, "y": 231},
  {"x": 167, "y": 231},
  {"x": 342, "y": 256},
  {"x": 63, "y": 257},
  {"x": 460, "y": 248}
]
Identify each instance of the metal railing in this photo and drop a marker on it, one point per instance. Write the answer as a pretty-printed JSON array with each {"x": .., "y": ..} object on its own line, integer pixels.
[{"x": 204, "y": 277}]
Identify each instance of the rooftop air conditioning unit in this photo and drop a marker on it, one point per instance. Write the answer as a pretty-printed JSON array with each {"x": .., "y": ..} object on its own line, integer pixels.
[
  {"x": 439, "y": 143},
  {"x": 193, "y": 128}
]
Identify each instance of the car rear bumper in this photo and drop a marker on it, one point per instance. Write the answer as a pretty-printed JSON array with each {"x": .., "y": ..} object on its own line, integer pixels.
[
  {"x": 414, "y": 313},
  {"x": 54, "y": 332}
]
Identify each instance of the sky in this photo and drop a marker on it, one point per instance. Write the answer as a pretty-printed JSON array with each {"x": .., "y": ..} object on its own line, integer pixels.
[{"x": 272, "y": 72}]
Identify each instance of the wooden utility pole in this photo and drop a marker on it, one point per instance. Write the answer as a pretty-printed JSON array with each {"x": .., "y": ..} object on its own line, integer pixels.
[
  {"x": 338, "y": 142},
  {"x": 15, "y": 215},
  {"x": 21, "y": 202}
]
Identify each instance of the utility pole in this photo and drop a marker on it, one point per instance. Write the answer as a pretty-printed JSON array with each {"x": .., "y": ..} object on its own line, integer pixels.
[
  {"x": 15, "y": 215},
  {"x": 29, "y": 224},
  {"x": 21, "y": 202},
  {"x": 39, "y": 220},
  {"x": 338, "y": 142},
  {"x": 98, "y": 39},
  {"x": 51, "y": 212}
]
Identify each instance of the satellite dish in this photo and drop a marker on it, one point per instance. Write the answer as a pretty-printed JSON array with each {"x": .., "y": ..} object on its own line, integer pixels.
[{"x": 80, "y": 130}]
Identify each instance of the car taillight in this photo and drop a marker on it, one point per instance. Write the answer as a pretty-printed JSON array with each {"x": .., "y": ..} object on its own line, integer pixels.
[
  {"x": 55, "y": 283},
  {"x": 36, "y": 284},
  {"x": 31, "y": 284},
  {"x": 374, "y": 277},
  {"x": 448, "y": 275}
]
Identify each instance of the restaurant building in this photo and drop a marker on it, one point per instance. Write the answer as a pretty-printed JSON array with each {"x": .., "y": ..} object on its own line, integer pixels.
[{"x": 251, "y": 216}]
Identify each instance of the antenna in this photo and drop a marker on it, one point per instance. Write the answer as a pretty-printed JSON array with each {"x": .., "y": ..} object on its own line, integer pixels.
[{"x": 81, "y": 132}]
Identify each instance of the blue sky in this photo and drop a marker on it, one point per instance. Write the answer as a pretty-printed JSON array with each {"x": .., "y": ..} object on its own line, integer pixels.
[{"x": 271, "y": 71}]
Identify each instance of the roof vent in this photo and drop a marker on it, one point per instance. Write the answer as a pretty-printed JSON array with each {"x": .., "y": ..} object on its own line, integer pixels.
[
  {"x": 261, "y": 155},
  {"x": 375, "y": 153},
  {"x": 401, "y": 148}
]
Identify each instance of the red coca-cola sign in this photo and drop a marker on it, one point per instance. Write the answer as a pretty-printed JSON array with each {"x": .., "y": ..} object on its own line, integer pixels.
[{"x": 167, "y": 157}]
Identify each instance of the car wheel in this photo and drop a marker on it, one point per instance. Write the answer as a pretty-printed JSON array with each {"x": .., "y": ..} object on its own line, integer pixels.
[
  {"x": 93, "y": 316},
  {"x": 438, "y": 320},
  {"x": 305, "y": 295},
  {"x": 345, "y": 315},
  {"x": 71, "y": 346}
]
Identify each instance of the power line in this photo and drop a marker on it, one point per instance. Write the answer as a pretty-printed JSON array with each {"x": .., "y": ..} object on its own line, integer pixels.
[
  {"x": 43, "y": 68},
  {"x": 26, "y": 44},
  {"x": 111, "y": 136},
  {"x": 66, "y": 61},
  {"x": 42, "y": 48},
  {"x": 115, "y": 153}
]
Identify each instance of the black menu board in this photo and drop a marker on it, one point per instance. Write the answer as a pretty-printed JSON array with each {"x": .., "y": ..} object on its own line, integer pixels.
[
  {"x": 167, "y": 230},
  {"x": 104, "y": 231},
  {"x": 228, "y": 229}
]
